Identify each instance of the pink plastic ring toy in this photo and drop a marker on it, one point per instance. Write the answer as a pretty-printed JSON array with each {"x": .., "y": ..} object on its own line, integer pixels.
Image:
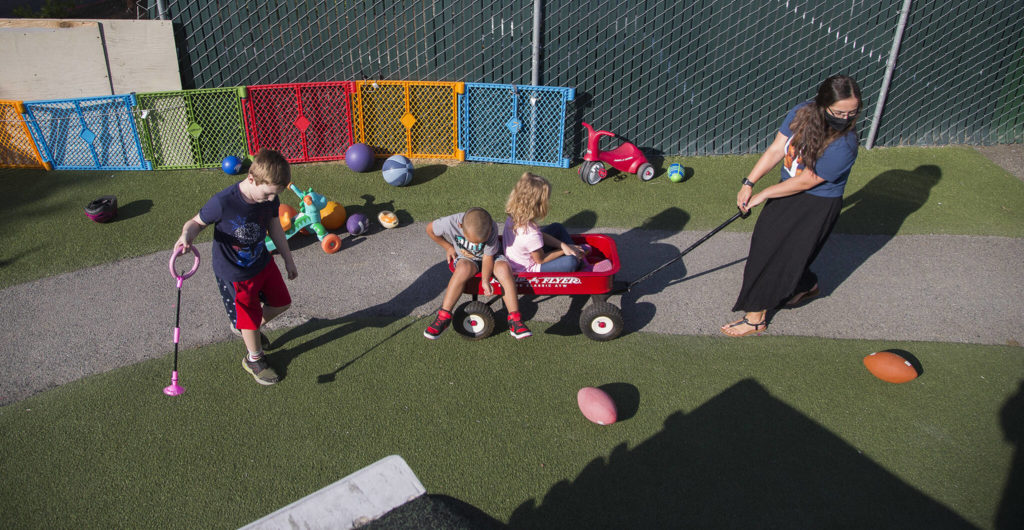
[{"x": 195, "y": 266}]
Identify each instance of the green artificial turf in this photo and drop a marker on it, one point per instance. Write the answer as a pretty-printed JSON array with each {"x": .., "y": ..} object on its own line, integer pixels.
[
  {"x": 951, "y": 190},
  {"x": 773, "y": 431}
]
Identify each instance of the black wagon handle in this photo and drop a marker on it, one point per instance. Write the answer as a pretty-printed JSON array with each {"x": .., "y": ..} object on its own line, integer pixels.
[{"x": 735, "y": 216}]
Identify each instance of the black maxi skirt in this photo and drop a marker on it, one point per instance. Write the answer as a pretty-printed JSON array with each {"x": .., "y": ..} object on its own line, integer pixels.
[{"x": 789, "y": 233}]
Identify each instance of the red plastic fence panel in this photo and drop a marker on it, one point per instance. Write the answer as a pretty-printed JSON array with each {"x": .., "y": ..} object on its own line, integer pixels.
[{"x": 305, "y": 122}]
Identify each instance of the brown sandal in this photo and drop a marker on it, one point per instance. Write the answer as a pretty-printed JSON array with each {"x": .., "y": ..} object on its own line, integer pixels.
[
  {"x": 803, "y": 297},
  {"x": 759, "y": 328}
]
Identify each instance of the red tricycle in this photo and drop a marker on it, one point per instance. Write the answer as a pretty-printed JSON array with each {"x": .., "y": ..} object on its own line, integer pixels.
[
  {"x": 626, "y": 157},
  {"x": 600, "y": 320}
]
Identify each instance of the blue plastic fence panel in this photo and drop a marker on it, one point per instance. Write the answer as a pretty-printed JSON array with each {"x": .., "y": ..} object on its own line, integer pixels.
[
  {"x": 514, "y": 124},
  {"x": 87, "y": 133}
]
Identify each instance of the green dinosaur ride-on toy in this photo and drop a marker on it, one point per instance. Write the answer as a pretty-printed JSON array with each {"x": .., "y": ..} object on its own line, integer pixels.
[{"x": 308, "y": 218}]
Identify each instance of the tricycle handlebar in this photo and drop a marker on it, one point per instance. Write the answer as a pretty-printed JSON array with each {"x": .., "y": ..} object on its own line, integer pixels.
[{"x": 599, "y": 133}]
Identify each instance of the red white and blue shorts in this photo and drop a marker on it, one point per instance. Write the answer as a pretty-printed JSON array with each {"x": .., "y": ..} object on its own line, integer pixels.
[{"x": 243, "y": 300}]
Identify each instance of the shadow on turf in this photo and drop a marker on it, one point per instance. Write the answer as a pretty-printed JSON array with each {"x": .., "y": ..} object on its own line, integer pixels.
[
  {"x": 133, "y": 209},
  {"x": 301, "y": 339},
  {"x": 626, "y": 398},
  {"x": 435, "y": 511},
  {"x": 911, "y": 358},
  {"x": 425, "y": 174},
  {"x": 1011, "y": 508},
  {"x": 744, "y": 459}
]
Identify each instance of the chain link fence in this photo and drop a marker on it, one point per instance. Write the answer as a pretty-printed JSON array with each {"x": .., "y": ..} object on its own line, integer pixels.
[{"x": 680, "y": 78}]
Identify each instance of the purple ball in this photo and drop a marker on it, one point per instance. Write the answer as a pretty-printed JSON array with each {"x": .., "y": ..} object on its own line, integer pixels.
[
  {"x": 359, "y": 157},
  {"x": 357, "y": 223}
]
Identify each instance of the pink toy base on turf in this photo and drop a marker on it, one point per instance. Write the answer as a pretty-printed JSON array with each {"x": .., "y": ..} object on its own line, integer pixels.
[{"x": 174, "y": 389}]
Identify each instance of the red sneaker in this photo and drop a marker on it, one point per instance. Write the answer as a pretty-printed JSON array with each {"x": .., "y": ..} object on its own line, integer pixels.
[
  {"x": 516, "y": 328},
  {"x": 443, "y": 320}
]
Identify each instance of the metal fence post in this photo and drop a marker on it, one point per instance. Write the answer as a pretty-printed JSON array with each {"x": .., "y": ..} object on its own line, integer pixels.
[
  {"x": 890, "y": 65},
  {"x": 535, "y": 78}
]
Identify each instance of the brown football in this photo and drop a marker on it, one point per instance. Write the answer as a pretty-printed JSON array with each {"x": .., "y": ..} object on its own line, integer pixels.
[{"x": 890, "y": 367}]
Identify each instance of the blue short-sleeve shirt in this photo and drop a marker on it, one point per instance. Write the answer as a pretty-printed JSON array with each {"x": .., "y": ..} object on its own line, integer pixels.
[
  {"x": 239, "y": 233},
  {"x": 834, "y": 164}
]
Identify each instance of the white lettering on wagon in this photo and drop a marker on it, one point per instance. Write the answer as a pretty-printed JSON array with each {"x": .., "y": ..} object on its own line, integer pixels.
[{"x": 551, "y": 281}]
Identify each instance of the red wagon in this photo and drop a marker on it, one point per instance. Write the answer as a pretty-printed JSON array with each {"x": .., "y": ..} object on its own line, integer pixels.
[{"x": 600, "y": 320}]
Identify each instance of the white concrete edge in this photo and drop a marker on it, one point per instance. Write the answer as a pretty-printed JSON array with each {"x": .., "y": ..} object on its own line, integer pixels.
[{"x": 352, "y": 501}]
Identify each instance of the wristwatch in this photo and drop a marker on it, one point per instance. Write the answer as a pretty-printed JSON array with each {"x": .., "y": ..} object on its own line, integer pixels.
[{"x": 747, "y": 182}]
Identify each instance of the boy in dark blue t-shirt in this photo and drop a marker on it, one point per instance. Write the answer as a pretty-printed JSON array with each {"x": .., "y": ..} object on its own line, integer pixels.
[{"x": 242, "y": 215}]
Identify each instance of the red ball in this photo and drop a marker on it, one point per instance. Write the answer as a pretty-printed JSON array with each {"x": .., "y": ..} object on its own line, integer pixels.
[
  {"x": 890, "y": 367},
  {"x": 596, "y": 405}
]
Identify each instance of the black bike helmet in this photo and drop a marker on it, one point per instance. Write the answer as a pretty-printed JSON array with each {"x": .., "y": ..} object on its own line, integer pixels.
[{"x": 103, "y": 209}]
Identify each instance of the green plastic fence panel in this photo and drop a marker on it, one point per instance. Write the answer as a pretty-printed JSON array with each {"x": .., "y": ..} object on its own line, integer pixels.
[{"x": 186, "y": 129}]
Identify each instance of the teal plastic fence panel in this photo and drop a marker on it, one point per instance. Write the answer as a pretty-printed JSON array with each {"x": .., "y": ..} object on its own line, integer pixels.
[
  {"x": 86, "y": 133},
  {"x": 514, "y": 124}
]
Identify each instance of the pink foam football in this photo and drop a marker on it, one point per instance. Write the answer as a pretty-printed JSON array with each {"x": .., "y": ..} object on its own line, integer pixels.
[{"x": 596, "y": 405}]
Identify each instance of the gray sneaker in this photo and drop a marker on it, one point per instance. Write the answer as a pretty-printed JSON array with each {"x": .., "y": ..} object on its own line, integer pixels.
[{"x": 260, "y": 370}]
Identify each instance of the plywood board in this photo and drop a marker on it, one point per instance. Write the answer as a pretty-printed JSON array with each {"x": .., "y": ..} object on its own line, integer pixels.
[
  {"x": 142, "y": 55},
  {"x": 62, "y": 59},
  {"x": 52, "y": 62}
]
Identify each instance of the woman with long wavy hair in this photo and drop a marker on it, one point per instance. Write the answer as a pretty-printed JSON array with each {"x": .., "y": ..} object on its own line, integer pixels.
[{"x": 817, "y": 145}]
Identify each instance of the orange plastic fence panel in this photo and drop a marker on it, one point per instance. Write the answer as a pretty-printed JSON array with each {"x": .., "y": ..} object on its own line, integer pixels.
[
  {"x": 17, "y": 148},
  {"x": 418, "y": 119}
]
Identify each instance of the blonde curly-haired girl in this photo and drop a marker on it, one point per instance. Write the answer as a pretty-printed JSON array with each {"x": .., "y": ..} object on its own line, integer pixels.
[{"x": 528, "y": 247}]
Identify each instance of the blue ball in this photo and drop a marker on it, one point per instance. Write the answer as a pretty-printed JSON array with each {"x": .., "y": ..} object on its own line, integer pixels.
[
  {"x": 359, "y": 157},
  {"x": 357, "y": 223},
  {"x": 676, "y": 172},
  {"x": 398, "y": 170},
  {"x": 231, "y": 165}
]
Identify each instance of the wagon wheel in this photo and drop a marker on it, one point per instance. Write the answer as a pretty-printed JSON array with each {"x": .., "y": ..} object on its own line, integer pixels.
[
  {"x": 331, "y": 243},
  {"x": 474, "y": 320},
  {"x": 645, "y": 172},
  {"x": 601, "y": 321}
]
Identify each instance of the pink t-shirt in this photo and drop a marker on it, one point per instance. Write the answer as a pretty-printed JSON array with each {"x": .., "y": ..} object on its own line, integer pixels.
[{"x": 519, "y": 244}]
